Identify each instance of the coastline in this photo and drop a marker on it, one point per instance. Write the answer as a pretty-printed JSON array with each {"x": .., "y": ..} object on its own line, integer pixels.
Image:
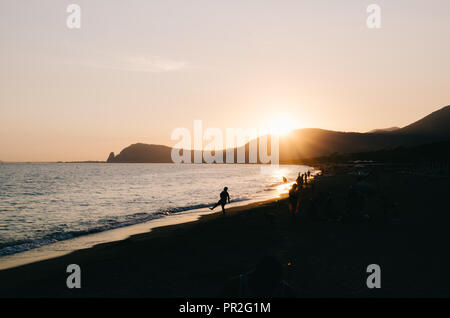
[
  {"x": 319, "y": 258},
  {"x": 68, "y": 241},
  {"x": 65, "y": 247}
]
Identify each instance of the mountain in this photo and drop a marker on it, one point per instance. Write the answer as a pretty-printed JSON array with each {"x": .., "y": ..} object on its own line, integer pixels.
[
  {"x": 145, "y": 153},
  {"x": 435, "y": 124},
  {"x": 304, "y": 144},
  {"x": 309, "y": 143},
  {"x": 142, "y": 153}
]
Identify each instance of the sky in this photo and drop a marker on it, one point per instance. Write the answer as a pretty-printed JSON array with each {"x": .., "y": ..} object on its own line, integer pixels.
[{"x": 136, "y": 70}]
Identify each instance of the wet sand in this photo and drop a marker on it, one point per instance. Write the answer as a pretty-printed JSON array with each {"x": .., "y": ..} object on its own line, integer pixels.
[{"x": 321, "y": 258}]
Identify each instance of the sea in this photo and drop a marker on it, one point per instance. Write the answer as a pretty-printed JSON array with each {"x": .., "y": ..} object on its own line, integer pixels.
[{"x": 45, "y": 203}]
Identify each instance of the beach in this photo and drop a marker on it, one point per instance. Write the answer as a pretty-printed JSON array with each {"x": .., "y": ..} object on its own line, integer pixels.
[{"x": 406, "y": 236}]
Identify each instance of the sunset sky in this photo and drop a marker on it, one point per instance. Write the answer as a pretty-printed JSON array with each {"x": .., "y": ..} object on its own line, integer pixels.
[{"x": 136, "y": 70}]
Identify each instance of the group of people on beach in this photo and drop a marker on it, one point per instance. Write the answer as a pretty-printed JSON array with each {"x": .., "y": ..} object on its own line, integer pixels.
[
  {"x": 295, "y": 191},
  {"x": 324, "y": 205}
]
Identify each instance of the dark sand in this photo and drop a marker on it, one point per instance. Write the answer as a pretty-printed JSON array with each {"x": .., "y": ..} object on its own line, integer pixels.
[{"x": 320, "y": 258}]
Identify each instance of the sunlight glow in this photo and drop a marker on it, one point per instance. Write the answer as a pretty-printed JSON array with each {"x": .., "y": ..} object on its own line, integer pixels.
[{"x": 280, "y": 125}]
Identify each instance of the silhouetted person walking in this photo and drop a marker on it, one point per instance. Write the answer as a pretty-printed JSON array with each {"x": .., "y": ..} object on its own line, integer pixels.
[{"x": 224, "y": 198}]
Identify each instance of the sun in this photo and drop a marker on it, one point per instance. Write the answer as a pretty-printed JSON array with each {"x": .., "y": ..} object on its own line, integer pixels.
[{"x": 280, "y": 125}]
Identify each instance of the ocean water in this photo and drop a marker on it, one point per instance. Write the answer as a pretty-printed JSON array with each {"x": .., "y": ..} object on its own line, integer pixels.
[{"x": 43, "y": 203}]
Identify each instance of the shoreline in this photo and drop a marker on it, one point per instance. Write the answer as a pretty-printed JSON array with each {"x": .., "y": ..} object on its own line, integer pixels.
[
  {"x": 24, "y": 249},
  {"x": 320, "y": 258},
  {"x": 161, "y": 231},
  {"x": 67, "y": 246}
]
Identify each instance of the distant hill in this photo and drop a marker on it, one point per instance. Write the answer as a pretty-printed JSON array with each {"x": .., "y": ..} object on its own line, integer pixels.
[
  {"x": 436, "y": 124},
  {"x": 142, "y": 153},
  {"x": 310, "y": 143},
  {"x": 304, "y": 144}
]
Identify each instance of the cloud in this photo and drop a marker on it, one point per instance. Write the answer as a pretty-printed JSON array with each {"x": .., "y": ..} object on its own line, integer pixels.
[
  {"x": 154, "y": 64},
  {"x": 134, "y": 63}
]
